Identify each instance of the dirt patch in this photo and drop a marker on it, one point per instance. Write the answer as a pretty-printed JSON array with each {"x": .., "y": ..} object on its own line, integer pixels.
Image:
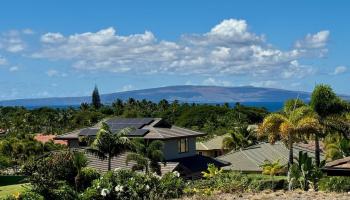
[{"x": 278, "y": 195}]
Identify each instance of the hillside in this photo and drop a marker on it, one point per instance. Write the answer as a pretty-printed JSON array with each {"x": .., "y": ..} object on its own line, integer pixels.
[{"x": 198, "y": 94}]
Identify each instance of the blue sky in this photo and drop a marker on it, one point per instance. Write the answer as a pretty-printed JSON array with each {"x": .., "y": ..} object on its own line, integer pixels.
[{"x": 64, "y": 48}]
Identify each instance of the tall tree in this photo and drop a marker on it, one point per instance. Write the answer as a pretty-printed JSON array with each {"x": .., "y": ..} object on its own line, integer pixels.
[
  {"x": 108, "y": 144},
  {"x": 79, "y": 161},
  {"x": 96, "y": 100},
  {"x": 148, "y": 155},
  {"x": 289, "y": 126},
  {"x": 329, "y": 108}
]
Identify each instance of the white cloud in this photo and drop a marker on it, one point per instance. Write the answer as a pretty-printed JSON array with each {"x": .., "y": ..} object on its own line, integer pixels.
[
  {"x": 340, "y": 70},
  {"x": 268, "y": 83},
  {"x": 127, "y": 88},
  {"x": 13, "y": 68},
  {"x": 317, "y": 40},
  {"x": 52, "y": 38},
  {"x": 11, "y": 42},
  {"x": 28, "y": 31},
  {"x": 213, "y": 81},
  {"x": 229, "y": 48},
  {"x": 3, "y": 61},
  {"x": 52, "y": 73}
]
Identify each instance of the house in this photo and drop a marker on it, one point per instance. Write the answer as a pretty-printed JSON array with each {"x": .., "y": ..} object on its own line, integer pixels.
[
  {"x": 179, "y": 144},
  {"x": 250, "y": 159},
  {"x": 47, "y": 138},
  {"x": 212, "y": 147},
  {"x": 340, "y": 167}
]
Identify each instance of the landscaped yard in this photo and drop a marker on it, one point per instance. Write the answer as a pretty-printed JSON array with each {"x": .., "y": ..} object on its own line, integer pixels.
[{"x": 11, "y": 189}]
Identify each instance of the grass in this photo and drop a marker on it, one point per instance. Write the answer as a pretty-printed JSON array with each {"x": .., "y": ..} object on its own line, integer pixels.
[{"x": 11, "y": 189}]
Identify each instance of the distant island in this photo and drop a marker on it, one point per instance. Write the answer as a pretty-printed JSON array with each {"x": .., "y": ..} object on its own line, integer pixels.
[{"x": 255, "y": 96}]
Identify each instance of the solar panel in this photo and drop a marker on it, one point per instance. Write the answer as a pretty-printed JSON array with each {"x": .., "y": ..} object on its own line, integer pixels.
[
  {"x": 88, "y": 132},
  {"x": 138, "y": 133},
  {"x": 121, "y": 126},
  {"x": 142, "y": 121}
]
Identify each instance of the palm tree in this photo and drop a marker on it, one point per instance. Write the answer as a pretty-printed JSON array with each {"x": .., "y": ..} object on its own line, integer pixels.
[
  {"x": 272, "y": 169},
  {"x": 108, "y": 144},
  {"x": 147, "y": 155},
  {"x": 79, "y": 161},
  {"x": 239, "y": 137},
  {"x": 288, "y": 126},
  {"x": 330, "y": 109}
]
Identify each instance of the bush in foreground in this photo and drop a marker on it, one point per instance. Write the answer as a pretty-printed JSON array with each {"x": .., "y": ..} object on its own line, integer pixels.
[{"x": 126, "y": 184}]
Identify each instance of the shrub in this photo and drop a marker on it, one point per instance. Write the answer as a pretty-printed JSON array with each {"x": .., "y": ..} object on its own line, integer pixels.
[
  {"x": 233, "y": 181},
  {"x": 126, "y": 184},
  {"x": 335, "y": 184},
  {"x": 48, "y": 174},
  {"x": 28, "y": 195},
  {"x": 87, "y": 176}
]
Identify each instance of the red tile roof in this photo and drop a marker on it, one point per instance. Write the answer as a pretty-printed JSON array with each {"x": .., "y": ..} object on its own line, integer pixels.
[{"x": 46, "y": 138}]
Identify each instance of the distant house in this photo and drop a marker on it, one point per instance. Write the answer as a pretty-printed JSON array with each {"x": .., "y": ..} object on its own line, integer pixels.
[
  {"x": 250, "y": 159},
  {"x": 340, "y": 167},
  {"x": 179, "y": 144},
  {"x": 47, "y": 138},
  {"x": 211, "y": 147}
]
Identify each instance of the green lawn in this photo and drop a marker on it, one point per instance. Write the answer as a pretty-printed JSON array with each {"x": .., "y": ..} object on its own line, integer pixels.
[{"x": 11, "y": 189}]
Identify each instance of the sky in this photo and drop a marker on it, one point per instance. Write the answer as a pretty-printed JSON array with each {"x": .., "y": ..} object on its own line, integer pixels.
[{"x": 63, "y": 48}]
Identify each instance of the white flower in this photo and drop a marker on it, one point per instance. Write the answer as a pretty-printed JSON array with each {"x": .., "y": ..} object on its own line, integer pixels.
[
  {"x": 116, "y": 169},
  {"x": 104, "y": 192},
  {"x": 176, "y": 173},
  {"x": 147, "y": 187},
  {"x": 119, "y": 188},
  {"x": 156, "y": 175}
]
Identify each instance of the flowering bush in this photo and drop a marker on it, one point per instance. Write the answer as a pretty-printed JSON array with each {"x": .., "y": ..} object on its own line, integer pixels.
[{"x": 126, "y": 184}]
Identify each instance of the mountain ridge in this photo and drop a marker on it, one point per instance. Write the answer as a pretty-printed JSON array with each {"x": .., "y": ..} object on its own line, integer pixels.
[{"x": 183, "y": 93}]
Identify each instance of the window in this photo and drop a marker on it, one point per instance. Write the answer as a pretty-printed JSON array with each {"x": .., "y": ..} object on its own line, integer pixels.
[{"x": 182, "y": 145}]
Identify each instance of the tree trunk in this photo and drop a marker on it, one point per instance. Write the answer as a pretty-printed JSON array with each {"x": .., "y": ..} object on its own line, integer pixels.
[
  {"x": 317, "y": 159},
  {"x": 317, "y": 150},
  {"x": 290, "y": 146},
  {"x": 109, "y": 162}
]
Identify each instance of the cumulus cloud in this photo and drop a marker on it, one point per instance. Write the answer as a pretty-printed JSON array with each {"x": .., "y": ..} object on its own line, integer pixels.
[
  {"x": 52, "y": 38},
  {"x": 3, "y": 61},
  {"x": 213, "y": 81},
  {"x": 311, "y": 41},
  {"x": 340, "y": 70},
  {"x": 12, "y": 42},
  {"x": 229, "y": 48}
]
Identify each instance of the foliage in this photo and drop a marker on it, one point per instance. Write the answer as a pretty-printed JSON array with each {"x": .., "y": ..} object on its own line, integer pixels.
[
  {"x": 335, "y": 184},
  {"x": 79, "y": 161},
  {"x": 213, "y": 171},
  {"x": 126, "y": 184},
  {"x": 289, "y": 126},
  {"x": 272, "y": 168},
  {"x": 230, "y": 181},
  {"x": 96, "y": 100},
  {"x": 87, "y": 176},
  {"x": 239, "y": 137},
  {"x": 147, "y": 155},
  {"x": 108, "y": 144},
  {"x": 336, "y": 147},
  {"x": 27, "y": 195},
  {"x": 49, "y": 173},
  {"x": 304, "y": 173}
]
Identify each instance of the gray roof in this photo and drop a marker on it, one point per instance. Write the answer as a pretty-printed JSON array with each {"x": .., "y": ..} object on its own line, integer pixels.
[
  {"x": 119, "y": 162},
  {"x": 211, "y": 144},
  {"x": 148, "y": 128},
  {"x": 250, "y": 159}
]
